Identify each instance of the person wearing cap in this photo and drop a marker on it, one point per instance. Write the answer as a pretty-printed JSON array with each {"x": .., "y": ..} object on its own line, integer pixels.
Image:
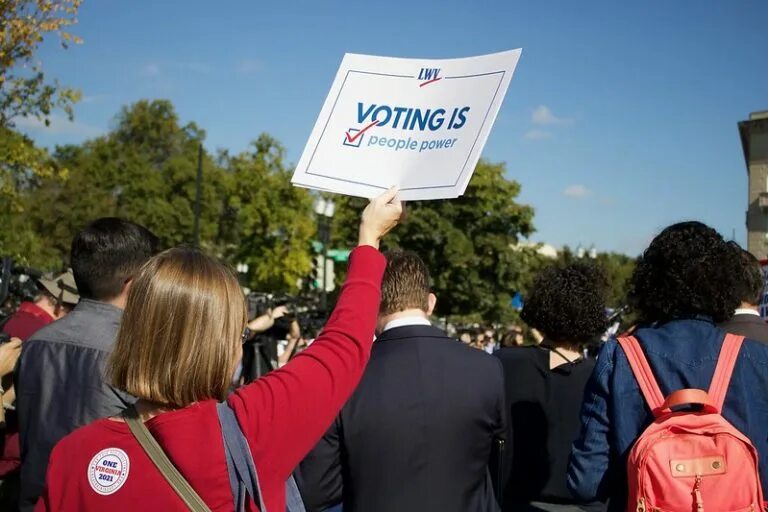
[{"x": 57, "y": 296}]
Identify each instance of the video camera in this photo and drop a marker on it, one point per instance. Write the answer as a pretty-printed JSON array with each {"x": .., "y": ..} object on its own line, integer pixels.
[
  {"x": 304, "y": 309},
  {"x": 17, "y": 284}
]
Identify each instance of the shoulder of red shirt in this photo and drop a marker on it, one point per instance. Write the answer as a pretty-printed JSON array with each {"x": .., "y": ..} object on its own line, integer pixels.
[{"x": 27, "y": 320}]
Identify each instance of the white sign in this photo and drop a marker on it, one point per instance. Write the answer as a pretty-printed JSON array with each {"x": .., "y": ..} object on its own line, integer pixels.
[{"x": 419, "y": 124}]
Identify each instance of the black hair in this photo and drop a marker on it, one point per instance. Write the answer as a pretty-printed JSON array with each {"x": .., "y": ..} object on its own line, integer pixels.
[
  {"x": 107, "y": 253},
  {"x": 567, "y": 303},
  {"x": 687, "y": 270},
  {"x": 751, "y": 284}
]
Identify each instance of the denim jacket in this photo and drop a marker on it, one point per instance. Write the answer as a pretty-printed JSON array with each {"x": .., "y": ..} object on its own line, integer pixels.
[{"x": 682, "y": 354}]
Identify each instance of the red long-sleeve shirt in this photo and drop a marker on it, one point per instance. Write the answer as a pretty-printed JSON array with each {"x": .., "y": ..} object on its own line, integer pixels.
[{"x": 283, "y": 414}]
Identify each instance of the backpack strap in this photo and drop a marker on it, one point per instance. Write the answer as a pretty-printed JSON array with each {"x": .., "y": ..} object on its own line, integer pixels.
[
  {"x": 726, "y": 361},
  {"x": 243, "y": 478},
  {"x": 293, "y": 501},
  {"x": 643, "y": 373}
]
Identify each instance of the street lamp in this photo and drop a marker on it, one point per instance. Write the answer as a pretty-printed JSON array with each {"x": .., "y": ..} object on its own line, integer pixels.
[{"x": 324, "y": 208}]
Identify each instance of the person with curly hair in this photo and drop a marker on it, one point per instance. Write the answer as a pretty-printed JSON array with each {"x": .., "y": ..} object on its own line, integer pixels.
[
  {"x": 683, "y": 285},
  {"x": 545, "y": 384}
]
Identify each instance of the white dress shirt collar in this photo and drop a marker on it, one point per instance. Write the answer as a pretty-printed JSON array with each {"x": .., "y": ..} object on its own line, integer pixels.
[
  {"x": 406, "y": 320},
  {"x": 745, "y": 311}
]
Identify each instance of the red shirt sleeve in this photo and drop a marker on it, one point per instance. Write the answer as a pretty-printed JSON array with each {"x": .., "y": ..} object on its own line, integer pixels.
[{"x": 286, "y": 412}]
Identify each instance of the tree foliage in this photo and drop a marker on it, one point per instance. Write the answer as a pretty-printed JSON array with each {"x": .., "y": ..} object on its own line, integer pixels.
[
  {"x": 22, "y": 167},
  {"x": 468, "y": 243},
  {"x": 268, "y": 222},
  {"x": 24, "y": 91},
  {"x": 145, "y": 170},
  {"x": 618, "y": 269}
]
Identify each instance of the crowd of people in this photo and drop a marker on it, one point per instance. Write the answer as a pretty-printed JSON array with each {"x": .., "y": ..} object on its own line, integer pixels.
[{"x": 131, "y": 382}]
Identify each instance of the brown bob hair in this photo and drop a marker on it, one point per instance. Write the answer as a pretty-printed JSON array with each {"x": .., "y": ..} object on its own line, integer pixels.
[{"x": 180, "y": 336}]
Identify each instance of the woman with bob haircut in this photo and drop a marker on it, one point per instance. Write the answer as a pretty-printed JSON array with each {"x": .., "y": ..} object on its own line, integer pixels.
[
  {"x": 177, "y": 350},
  {"x": 682, "y": 287},
  {"x": 545, "y": 384}
]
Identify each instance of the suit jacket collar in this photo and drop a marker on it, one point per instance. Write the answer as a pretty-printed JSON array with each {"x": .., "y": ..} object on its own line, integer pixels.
[
  {"x": 747, "y": 319},
  {"x": 411, "y": 331}
]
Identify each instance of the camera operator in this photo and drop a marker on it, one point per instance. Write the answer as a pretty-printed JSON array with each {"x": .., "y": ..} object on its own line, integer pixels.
[
  {"x": 264, "y": 322},
  {"x": 275, "y": 336},
  {"x": 287, "y": 346},
  {"x": 55, "y": 298}
]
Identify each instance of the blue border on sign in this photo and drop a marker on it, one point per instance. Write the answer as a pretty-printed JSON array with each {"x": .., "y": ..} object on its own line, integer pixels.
[{"x": 463, "y": 170}]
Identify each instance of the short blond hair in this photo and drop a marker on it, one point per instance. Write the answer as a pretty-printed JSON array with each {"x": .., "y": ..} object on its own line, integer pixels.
[{"x": 180, "y": 336}]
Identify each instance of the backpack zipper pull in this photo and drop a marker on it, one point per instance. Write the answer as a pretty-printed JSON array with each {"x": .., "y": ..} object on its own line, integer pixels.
[
  {"x": 697, "y": 493},
  {"x": 641, "y": 505}
]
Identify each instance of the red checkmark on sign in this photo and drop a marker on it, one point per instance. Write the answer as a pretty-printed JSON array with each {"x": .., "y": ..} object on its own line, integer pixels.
[{"x": 354, "y": 137}]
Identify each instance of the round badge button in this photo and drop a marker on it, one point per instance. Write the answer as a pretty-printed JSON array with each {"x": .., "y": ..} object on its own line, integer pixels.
[{"x": 108, "y": 471}]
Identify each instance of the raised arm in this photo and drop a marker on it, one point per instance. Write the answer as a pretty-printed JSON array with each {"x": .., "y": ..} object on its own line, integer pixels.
[{"x": 284, "y": 413}]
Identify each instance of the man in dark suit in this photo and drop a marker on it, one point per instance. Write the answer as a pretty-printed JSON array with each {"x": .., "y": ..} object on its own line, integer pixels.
[
  {"x": 417, "y": 434},
  {"x": 747, "y": 321}
]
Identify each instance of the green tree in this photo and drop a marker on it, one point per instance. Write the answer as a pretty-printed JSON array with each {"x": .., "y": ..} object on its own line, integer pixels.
[
  {"x": 468, "y": 243},
  {"x": 617, "y": 267},
  {"x": 267, "y": 222},
  {"x": 144, "y": 170},
  {"x": 24, "y": 91},
  {"x": 22, "y": 167}
]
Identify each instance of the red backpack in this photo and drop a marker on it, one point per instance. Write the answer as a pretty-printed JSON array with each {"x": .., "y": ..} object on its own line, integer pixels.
[{"x": 691, "y": 461}]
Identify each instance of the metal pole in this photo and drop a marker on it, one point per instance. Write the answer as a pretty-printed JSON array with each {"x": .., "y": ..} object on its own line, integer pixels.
[
  {"x": 326, "y": 240},
  {"x": 198, "y": 193}
]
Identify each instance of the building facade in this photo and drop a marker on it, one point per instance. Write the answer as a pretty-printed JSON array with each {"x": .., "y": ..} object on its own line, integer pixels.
[{"x": 754, "y": 142}]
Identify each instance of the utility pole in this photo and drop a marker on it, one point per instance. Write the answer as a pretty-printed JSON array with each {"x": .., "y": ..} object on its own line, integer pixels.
[{"x": 198, "y": 193}]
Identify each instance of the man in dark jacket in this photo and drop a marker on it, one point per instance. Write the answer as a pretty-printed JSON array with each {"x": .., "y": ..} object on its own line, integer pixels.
[
  {"x": 417, "y": 434},
  {"x": 59, "y": 376},
  {"x": 746, "y": 320}
]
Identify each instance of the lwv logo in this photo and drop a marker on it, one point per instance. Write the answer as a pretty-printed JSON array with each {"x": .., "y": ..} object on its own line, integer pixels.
[{"x": 429, "y": 76}]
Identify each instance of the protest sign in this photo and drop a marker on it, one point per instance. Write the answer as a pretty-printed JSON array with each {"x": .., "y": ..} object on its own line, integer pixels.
[{"x": 419, "y": 124}]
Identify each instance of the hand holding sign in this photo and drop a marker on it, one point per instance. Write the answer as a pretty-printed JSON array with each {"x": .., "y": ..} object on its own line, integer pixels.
[
  {"x": 381, "y": 215},
  {"x": 420, "y": 124}
]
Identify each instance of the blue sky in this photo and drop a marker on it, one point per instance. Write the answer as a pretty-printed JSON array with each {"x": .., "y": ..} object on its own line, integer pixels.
[{"x": 621, "y": 117}]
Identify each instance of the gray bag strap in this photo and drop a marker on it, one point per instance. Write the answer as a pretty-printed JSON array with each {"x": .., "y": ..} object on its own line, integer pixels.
[
  {"x": 243, "y": 478},
  {"x": 179, "y": 484},
  {"x": 293, "y": 501}
]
